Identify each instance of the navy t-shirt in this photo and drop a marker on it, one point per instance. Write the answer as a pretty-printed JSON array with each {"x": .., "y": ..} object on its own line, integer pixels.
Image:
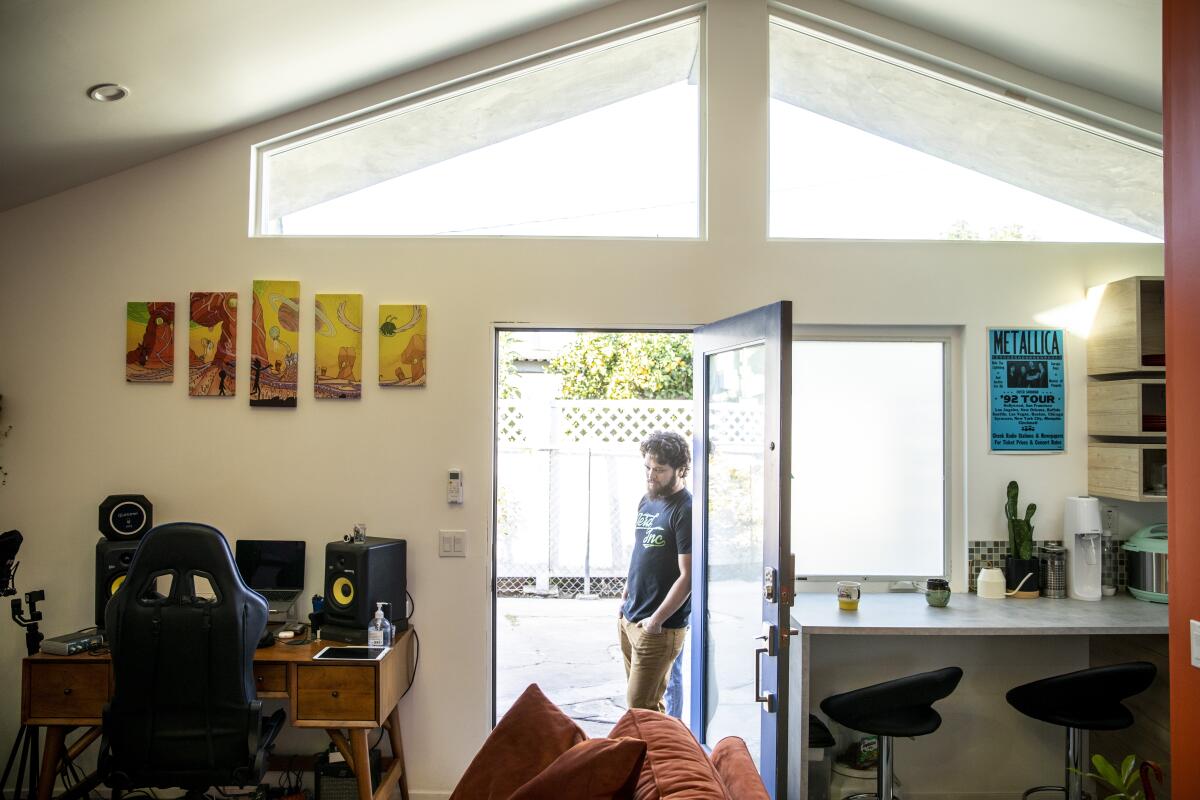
[{"x": 663, "y": 533}]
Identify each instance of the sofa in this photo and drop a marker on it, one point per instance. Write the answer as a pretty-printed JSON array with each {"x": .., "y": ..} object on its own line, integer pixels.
[{"x": 536, "y": 752}]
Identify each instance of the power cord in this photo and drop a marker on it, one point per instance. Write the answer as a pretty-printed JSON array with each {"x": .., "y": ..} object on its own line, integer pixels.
[{"x": 412, "y": 609}]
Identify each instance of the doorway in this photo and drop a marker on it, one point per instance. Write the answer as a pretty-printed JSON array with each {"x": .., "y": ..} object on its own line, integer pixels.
[{"x": 572, "y": 408}]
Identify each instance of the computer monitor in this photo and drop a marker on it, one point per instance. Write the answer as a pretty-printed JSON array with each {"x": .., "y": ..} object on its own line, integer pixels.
[{"x": 274, "y": 568}]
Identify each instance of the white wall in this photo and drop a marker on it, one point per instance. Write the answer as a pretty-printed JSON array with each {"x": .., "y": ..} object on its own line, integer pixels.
[{"x": 70, "y": 262}]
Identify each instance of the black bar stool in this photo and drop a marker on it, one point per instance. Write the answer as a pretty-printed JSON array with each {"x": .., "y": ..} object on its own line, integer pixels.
[
  {"x": 1087, "y": 700},
  {"x": 903, "y": 707}
]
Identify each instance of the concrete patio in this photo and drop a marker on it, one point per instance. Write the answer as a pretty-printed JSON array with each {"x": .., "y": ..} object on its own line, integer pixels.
[{"x": 569, "y": 647}]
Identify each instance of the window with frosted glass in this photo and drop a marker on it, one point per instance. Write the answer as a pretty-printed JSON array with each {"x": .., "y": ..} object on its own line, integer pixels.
[{"x": 869, "y": 458}]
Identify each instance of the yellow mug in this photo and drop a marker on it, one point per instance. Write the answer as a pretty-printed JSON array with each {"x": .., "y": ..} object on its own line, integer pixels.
[{"x": 848, "y": 593}]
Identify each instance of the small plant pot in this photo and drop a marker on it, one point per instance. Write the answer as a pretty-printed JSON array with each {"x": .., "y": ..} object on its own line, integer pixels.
[{"x": 1015, "y": 569}]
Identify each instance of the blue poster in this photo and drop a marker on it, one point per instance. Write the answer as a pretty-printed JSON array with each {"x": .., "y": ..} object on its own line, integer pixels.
[{"x": 1027, "y": 380}]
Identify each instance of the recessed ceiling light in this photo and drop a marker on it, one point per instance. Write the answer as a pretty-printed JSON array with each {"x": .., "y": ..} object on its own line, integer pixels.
[{"x": 107, "y": 92}]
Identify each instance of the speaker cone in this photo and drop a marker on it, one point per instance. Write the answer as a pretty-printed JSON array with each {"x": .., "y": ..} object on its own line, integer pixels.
[
  {"x": 115, "y": 583},
  {"x": 343, "y": 592}
]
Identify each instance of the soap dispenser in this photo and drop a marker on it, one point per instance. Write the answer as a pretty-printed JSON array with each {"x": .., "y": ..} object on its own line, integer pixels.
[{"x": 378, "y": 629}]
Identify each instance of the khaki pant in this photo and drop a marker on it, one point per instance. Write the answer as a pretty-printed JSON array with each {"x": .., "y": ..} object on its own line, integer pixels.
[{"x": 648, "y": 658}]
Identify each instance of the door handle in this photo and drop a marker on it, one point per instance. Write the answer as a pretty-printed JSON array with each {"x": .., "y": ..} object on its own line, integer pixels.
[{"x": 759, "y": 695}]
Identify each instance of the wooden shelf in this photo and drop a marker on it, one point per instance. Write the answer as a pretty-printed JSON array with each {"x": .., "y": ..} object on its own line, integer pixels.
[
  {"x": 1129, "y": 329},
  {"x": 1121, "y": 407},
  {"x": 1126, "y": 470}
]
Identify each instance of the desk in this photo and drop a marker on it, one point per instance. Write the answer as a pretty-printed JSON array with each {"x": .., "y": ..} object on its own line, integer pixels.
[
  {"x": 999, "y": 643},
  {"x": 347, "y": 700}
]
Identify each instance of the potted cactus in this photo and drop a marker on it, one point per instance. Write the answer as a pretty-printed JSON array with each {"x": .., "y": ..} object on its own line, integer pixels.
[{"x": 1020, "y": 567}]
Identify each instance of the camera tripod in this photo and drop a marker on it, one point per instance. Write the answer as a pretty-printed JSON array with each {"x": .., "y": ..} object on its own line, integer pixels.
[{"x": 28, "y": 741}]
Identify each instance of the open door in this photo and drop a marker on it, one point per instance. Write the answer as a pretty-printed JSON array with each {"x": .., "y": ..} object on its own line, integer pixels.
[{"x": 743, "y": 572}]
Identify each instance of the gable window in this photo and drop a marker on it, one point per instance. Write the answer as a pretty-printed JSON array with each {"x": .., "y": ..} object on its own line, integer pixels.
[
  {"x": 601, "y": 140},
  {"x": 871, "y": 413},
  {"x": 867, "y": 146}
]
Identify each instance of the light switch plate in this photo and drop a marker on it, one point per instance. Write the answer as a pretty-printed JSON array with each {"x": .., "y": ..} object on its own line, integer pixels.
[
  {"x": 452, "y": 544},
  {"x": 1196, "y": 643}
]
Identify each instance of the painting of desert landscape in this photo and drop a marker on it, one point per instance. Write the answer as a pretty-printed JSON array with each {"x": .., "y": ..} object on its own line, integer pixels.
[
  {"x": 338, "y": 358},
  {"x": 274, "y": 343},
  {"x": 402, "y": 345},
  {"x": 149, "y": 342},
  {"x": 212, "y": 344}
]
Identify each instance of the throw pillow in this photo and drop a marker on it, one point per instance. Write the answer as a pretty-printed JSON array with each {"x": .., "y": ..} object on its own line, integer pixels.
[
  {"x": 598, "y": 769},
  {"x": 527, "y": 739},
  {"x": 675, "y": 765}
]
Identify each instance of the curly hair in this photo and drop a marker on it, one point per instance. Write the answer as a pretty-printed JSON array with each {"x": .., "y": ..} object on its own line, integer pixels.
[{"x": 668, "y": 447}]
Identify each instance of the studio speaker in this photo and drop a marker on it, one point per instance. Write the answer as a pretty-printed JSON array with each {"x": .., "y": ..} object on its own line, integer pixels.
[
  {"x": 357, "y": 576},
  {"x": 112, "y": 565},
  {"x": 125, "y": 517}
]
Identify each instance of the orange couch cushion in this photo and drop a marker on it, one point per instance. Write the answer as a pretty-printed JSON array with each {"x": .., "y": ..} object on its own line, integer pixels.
[
  {"x": 598, "y": 769},
  {"x": 527, "y": 739},
  {"x": 733, "y": 762},
  {"x": 675, "y": 765}
]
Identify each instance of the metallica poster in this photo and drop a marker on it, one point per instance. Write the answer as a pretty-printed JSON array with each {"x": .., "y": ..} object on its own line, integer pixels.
[{"x": 1027, "y": 383}]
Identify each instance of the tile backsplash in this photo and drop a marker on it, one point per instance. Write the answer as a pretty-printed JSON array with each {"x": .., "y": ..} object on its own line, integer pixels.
[{"x": 979, "y": 554}]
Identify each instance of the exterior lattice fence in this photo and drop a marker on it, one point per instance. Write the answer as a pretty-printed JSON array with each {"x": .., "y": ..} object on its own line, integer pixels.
[{"x": 569, "y": 479}]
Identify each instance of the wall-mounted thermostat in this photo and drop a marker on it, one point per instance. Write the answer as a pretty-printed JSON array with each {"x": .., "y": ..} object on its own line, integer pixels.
[{"x": 454, "y": 487}]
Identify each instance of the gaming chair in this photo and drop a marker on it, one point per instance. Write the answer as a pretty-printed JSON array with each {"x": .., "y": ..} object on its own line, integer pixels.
[{"x": 184, "y": 712}]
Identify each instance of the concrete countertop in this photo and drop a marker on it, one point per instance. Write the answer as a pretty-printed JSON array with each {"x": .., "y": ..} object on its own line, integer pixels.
[{"x": 969, "y": 615}]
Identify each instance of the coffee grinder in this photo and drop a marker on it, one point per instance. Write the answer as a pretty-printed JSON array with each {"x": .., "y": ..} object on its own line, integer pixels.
[{"x": 1081, "y": 538}]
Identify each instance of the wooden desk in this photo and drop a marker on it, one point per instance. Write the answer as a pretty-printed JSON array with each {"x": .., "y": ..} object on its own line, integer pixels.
[{"x": 347, "y": 700}]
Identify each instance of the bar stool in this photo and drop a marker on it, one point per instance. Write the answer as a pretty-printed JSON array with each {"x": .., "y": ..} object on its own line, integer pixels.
[
  {"x": 903, "y": 707},
  {"x": 1087, "y": 700}
]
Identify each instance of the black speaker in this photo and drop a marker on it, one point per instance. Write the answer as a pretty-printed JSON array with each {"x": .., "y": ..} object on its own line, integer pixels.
[
  {"x": 125, "y": 517},
  {"x": 357, "y": 576},
  {"x": 112, "y": 564}
]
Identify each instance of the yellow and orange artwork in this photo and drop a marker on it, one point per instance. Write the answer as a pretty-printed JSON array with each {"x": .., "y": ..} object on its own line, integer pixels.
[
  {"x": 275, "y": 343},
  {"x": 149, "y": 342},
  {"x": 402, "y": 345},
  {"x": 338, "y": 357},
  {"x": 212, "y": 344}
]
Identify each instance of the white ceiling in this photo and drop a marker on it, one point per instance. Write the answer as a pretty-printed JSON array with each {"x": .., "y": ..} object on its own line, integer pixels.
[
  {"x": 199, "y": 69},
  {"x": 1113, "y": 47}
]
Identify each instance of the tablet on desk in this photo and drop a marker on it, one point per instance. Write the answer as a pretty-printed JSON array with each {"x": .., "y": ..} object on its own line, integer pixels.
[{"x": 351, "y": 654}]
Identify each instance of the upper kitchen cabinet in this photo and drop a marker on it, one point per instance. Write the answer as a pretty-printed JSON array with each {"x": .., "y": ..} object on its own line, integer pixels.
[{"x": 1128, "y": 333}]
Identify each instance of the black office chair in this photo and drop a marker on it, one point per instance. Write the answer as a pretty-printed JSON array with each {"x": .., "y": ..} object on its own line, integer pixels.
[
  {"x": 903, "y": 707},
  {"x": 1087, "y": 700},
  {"x": 184, "y": 712}
]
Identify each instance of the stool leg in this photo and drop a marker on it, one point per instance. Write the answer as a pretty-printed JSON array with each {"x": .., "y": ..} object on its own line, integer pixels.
[
  {"x": 884, "y": 776},
  {"x": 1074, "y": 781}
]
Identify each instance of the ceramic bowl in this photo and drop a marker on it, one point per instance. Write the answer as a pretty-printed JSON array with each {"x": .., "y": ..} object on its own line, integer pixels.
[{"x": 938, "y": 598}]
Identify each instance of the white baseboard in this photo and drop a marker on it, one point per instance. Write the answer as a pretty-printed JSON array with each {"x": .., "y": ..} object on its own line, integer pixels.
[{"x": 428, "y": 795}]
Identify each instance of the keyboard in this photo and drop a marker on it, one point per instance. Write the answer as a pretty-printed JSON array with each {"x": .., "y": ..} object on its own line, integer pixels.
[{"x": 278, "y": 594}]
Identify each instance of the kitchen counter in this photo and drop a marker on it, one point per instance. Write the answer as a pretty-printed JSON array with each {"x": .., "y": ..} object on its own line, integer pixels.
[
  {"x": 969, "y": 615},
  {"x": 998, "y": 643}
]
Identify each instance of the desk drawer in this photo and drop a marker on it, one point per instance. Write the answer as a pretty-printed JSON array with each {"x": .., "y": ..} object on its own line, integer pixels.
[
  {"x": 68, "y": 690},
  {"x": 336, "y": 693},
  {"x": 270, "y": 677}
]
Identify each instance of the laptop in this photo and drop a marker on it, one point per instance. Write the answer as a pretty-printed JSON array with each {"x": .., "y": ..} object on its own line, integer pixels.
[{"x": 274, "y": 568}]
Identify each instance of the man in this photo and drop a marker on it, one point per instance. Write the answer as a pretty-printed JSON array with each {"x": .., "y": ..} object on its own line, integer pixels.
[{"x": 657, "y": 599}]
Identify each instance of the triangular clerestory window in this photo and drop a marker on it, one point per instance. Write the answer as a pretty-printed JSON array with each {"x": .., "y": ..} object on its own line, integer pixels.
[
  {"x": 602, "y": 140},
  {"x": 866, "y": 146}
]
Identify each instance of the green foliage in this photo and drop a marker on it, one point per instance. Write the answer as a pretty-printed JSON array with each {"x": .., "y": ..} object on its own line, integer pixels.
[
  {"x": 507, "y": 373},
  {"x": 1127, "y": 780},
  {"x": 1020, "y": 531},
  {"x": 1015, "y": 232},
  {"x": 626, "y": 366}
]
